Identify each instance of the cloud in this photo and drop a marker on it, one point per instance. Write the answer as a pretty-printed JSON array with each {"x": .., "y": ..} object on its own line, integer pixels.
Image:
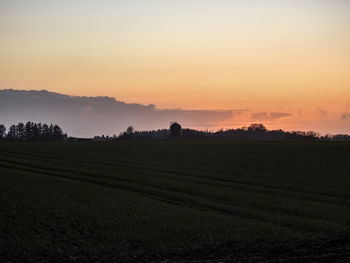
[
  {"x": 89, "y": 116},
  {"x": 321, "y": 112},
  {"x": 345, "y": 116},
  {"x": 268, "y": 116}
]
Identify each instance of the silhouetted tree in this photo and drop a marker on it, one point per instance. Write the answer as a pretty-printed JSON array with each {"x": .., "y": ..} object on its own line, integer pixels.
[
  {"x": 128, "y": 134},
  {"x": 130, "y": 130},
  {"x": 33, "y": 132},
  {"x": 28, "y": 131},
  {"x": 20, "y": 129},
  {"x": 341, "y": 137},
  {"x": 2, "y": 131},
  {"x": 253, "y": 132},
  {"x": 51, "y": 131},
  {"x": 11, "y": 134},
  {"x": 45, "y": 132},
  {"x": 57, "y": 133},
  {"x": 257, "y": 127}
]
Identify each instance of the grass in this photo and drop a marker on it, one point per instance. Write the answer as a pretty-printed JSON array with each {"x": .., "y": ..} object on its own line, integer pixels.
[{"x": 166, "y": 199}]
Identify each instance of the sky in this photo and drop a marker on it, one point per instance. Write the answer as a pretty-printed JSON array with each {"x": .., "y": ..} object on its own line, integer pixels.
[{"x": 285, "y": 62}]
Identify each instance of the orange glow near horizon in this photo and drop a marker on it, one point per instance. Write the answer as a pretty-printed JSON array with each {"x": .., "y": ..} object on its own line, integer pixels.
[{"x": 262, "y": 56}]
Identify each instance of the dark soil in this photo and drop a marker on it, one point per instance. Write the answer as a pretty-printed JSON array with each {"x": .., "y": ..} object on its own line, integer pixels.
[{"x": 321, "y": 250}]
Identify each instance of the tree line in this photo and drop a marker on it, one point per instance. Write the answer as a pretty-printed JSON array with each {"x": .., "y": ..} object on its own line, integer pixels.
[
  {"x": 253, "y": 132},
  {"x": 32, "y": 131}
]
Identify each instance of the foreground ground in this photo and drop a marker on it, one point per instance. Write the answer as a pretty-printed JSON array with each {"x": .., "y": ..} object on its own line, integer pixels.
[{"x": 175, "y": 201}]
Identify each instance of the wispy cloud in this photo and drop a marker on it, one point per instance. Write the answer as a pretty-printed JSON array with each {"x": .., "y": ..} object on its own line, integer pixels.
[
  {"x": 268, "y": 116},
  {"x": 345, "y": 116},
  {"x": 321, "y": 112}
]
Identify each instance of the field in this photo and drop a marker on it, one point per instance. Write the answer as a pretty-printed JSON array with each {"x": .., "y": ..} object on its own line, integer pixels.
[{"x": 174, "y": 201}]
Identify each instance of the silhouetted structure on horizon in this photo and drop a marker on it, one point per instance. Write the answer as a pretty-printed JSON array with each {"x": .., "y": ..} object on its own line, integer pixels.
[{"x": 175, "y": 130}]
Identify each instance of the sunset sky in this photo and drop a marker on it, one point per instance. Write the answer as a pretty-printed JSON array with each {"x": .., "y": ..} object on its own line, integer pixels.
[{"x": 286, "y": 62}]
